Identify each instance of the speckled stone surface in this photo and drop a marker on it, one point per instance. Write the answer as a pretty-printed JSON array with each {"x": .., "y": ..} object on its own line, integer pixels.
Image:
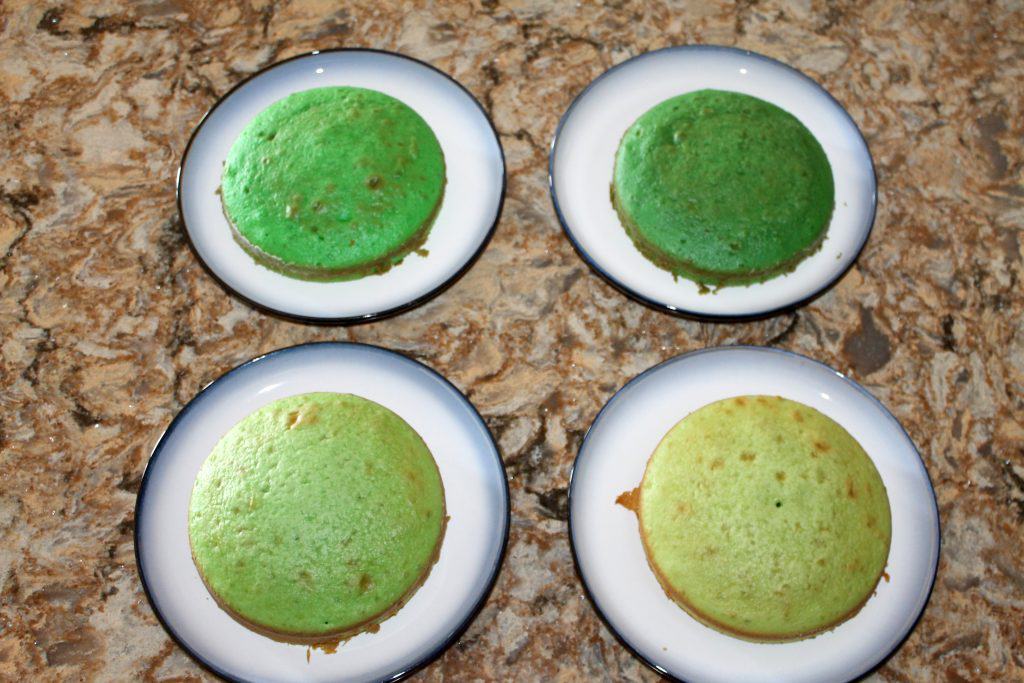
[{"x": 109, "y": 325}]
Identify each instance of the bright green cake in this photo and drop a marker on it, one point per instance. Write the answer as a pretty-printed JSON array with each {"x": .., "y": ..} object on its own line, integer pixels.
[
  {"x": 333, "y": 183},
  {"x": 764, "y": 519},
  {"x": 722, "y": 188},
  {"x": 316, "y": 517}
]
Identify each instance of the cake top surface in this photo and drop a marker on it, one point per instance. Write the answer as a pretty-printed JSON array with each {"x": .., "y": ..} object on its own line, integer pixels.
[
  {"x": 720, "y": 186},
  {"x": 764, "y": 518},
  {"x": 316, "y": 513},
  {"x": 333, "y": 178}
]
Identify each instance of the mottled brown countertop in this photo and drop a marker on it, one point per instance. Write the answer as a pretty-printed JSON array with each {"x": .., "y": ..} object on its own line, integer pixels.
[{"x": 109, "y": 325}]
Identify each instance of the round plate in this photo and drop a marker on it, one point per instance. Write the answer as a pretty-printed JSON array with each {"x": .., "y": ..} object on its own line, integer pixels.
[
  {"x": 583, "y": 156},
  {"x": 475, "y": 166},
  {"x": 476, "y": 496},
  {"x": 610, "y": 556}
]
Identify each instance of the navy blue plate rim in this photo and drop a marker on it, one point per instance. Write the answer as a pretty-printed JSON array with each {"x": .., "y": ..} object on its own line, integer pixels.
[
  {"x": 367, "y": 317},
  {"x": 675, "y": 310},
  {"x": 649, "y": 663},
  {"x": 490, "y": 581}
]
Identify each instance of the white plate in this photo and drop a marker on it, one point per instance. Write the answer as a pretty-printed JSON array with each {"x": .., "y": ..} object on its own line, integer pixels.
[
  {"x": 476, "y": 496},
  {"x": 475, "y": 167},
  {"x": 583, "y": 156},
  {"x": 606, "y": 539}
]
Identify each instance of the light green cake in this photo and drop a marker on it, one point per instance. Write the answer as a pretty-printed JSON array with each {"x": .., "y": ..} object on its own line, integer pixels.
[
  {"x": 316, "y": 517},
  {"x": 764, "y": 519},
  {"x": 333, "y": 183}
]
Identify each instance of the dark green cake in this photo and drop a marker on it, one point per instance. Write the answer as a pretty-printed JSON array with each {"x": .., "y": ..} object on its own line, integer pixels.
[
  {"x": 316, "y": 517},
  {"x": 333, "y": 184},
  {"x": 722, "y": 188}
]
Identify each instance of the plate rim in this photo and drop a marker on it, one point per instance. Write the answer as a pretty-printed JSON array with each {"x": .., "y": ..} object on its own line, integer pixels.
[
  {"x": 650, "y": 663},
  {"x": 457, "y": 632},
  {"x": 351, "y": 319},
  {"x": 678, "y": 311}
]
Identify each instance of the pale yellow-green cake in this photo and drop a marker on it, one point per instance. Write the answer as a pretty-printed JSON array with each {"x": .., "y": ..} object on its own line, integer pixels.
[{"x": 764, "y": 519}]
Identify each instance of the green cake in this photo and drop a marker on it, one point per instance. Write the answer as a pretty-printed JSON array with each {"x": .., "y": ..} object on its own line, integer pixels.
[
  {"x": 333, "y": 184},
  {"x": 722, "y": 188},
  {"x": 316, "y": 517},
  {"x": 764, "y": 519}
]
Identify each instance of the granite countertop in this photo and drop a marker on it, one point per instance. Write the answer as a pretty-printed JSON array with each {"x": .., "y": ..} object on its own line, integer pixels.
[{"x": 109, "y": 325}]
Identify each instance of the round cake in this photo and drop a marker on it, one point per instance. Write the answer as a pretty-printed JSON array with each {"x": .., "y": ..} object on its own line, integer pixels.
[
  {"x": 722, "y": 188},
  {"x": 333, "y": 184},
  {"x": 316, "y": 517},
  {"x": 764, "y": 519}
]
